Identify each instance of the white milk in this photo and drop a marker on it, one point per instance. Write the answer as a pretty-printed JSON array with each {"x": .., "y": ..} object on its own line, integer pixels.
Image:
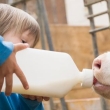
[{"x": 51, "y": 74}]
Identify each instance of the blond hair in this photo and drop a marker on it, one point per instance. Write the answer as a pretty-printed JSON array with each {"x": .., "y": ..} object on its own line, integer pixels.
[{"x": 15, "y": 19}]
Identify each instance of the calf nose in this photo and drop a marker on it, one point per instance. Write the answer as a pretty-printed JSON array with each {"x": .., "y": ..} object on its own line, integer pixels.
[
  {"x": 97, "y": 64},
  {"x": 101, "y": 68}
]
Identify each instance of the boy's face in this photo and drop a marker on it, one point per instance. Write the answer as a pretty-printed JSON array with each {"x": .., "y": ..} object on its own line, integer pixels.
[{"x": 25, "y": 37}]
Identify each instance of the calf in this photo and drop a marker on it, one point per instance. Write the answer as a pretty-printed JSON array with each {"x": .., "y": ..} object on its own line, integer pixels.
[{"x": 101, "y": 71}]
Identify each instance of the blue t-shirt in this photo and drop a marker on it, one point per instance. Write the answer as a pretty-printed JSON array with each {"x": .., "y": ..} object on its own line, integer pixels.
[
  {"x": 17, "y": 102},
  {"x": 6, "y": 49},
  {"x": 14, "y": 101}
]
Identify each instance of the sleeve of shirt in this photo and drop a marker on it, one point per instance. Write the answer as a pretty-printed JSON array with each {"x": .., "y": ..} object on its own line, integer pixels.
[
  {"x": 6, "y": 49},
  {"x": 27, "y": 104}
]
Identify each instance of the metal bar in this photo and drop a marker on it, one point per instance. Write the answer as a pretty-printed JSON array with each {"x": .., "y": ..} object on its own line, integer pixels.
[
  {"x": 95, "y": 48},
  {"x": 103, "y": 103},
  {"x": 52, "y": 107},
  {"x": 17, "y": 2},
  {"x": 99, "y": 29},
  {"x": 46, "y": 24},
  {"x": 95, "y": 15},
  {"x": 40, "y": 21},
  {"x": 63, "y": 103},
  {"x": 24, "y": 7},
  {"x": 108, "y": 6},
  {"x": 91, "y": 2}
]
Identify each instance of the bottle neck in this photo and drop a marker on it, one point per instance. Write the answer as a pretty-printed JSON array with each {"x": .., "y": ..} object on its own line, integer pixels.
[
  {"x": 81, "y": 77},
  {"x": 86, "y": 78}
]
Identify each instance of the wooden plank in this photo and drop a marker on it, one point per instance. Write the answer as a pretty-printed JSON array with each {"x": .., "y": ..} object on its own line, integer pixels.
[
  {"x": 56, "y": 11},
  {"x": 80, "y": 104},
  {"x": 76, "y": 41},
  {"x": 90, "y": 2}
]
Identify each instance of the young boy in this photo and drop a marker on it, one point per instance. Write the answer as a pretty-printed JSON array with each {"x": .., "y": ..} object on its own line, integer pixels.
[{"x": 18, "y": 27}]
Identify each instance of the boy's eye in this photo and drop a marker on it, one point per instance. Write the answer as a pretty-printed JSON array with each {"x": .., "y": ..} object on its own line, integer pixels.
[{"x": 23, "y": 41}]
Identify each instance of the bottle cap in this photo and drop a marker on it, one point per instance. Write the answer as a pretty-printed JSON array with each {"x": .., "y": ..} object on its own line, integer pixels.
[{"x": 87, "y": 80}]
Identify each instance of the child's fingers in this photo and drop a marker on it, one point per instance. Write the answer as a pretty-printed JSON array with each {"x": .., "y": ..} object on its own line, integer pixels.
[
  {"x": 9, "y": 82},
  {"x": 32, "y": 97},
  {"x": 39, "y": 98},
  {"x": 46, "y": 98},
  {"x": 1, "y": 82},
  {"x": 20, "y": 46},
  {"x": 22, "y": 77},
  {"x": 25, "y": 96}
]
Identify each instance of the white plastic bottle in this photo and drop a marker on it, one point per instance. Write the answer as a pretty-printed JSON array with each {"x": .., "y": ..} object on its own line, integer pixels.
[{"x": 49, "y": 73}]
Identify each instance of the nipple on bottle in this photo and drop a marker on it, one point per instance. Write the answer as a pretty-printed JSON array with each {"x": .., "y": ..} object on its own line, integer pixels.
[{"x": 87, "y": 78}]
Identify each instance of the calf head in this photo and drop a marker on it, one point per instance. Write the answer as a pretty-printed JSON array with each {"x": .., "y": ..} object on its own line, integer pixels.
[{"x": 101, "y": 70}]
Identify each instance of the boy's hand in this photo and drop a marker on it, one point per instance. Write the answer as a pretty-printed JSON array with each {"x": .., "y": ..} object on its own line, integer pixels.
[
  {"x": 38, "y": 98},
  {"x": 9, "y": 67}
]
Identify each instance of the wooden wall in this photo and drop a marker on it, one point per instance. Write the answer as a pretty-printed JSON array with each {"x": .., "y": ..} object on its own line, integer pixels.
[{"x": 77, "y": 42}]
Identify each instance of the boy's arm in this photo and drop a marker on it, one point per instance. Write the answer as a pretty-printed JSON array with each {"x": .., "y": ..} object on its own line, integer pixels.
[
  {"x": 8, "y": 65},
  {"x": 27, "y": 104}
]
